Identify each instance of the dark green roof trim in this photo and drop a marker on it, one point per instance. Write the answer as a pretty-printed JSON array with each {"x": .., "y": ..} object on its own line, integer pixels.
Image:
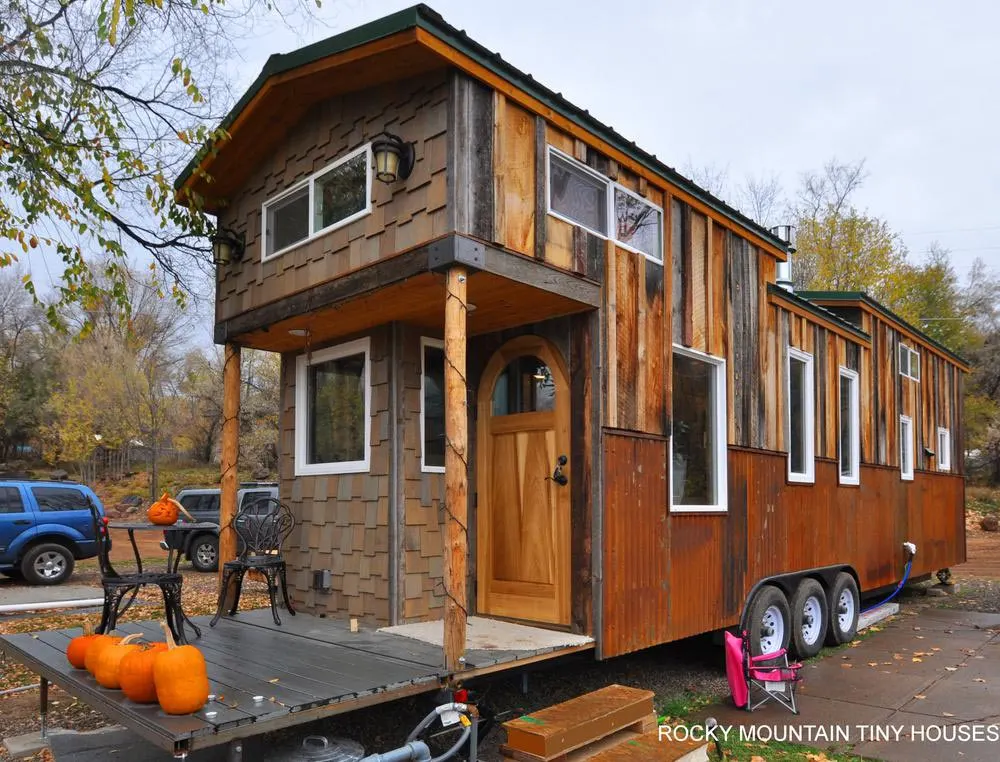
[
  {"x": 815, "y": 309},
  {"x": 423, "y": 17},
  {"x": 861, "y": 296}
]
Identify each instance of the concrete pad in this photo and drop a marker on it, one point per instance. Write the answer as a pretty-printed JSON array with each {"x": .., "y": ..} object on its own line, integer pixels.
[
  {"x": 869, "y": 618},
  {"x": 925, "y": 740},
  {"x": 21, "y": 594},
  {"x": 961, "y": 618},
  {"x": 859, "y": 686},
  {"x": 492, "y": 635}
]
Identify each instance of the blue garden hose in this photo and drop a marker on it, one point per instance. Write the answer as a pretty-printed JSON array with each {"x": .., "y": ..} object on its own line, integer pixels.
[{"x": 911, "y": 550}]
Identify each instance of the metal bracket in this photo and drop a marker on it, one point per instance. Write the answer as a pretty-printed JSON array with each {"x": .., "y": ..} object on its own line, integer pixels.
[{"x": 456, "y": 250}]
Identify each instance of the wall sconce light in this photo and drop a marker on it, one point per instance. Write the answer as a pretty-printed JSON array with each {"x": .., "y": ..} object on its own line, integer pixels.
[
  {"x": 227, "y": 246},
  {"x": 393, "y": 158}
]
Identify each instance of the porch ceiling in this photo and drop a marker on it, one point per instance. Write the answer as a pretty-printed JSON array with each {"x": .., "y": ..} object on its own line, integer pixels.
[{"x": 510, "y": 290}]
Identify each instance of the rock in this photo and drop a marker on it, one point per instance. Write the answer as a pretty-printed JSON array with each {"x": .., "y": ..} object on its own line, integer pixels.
[
  {"x": 935, "y": 592},
  {"x": 131, "y": 500},
  {"x": 990, "y": 524},
  {"x": 58, "y": 475},
  {"x": 132, "y": 509},
  {"x": 260, "y": 475}
]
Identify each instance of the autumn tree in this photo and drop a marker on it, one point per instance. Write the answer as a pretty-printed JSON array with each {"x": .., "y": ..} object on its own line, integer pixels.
[{"x": 100, "y": 104}]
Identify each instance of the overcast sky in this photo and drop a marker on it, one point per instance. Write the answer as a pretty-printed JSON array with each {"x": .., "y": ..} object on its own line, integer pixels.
[{"x": 767, "y": 88}]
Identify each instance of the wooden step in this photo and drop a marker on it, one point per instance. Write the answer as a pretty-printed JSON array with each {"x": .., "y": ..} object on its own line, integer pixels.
[
  {"x": 624, "y": 746},
  {"x": 552, "y": 732}
]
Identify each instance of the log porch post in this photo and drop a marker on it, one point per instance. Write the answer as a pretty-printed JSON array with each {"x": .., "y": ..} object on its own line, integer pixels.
[
  {"x": 229, "y": 460},
  {"x": 456, "y": 470}
]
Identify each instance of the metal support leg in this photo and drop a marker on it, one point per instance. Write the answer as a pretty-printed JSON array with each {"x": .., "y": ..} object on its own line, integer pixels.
[
  {"x": 474, "y": 740},
  {"x": 43, "y": 684},
  {"x": 235, "y": 751},
  {"x": 524, "y": 683}
]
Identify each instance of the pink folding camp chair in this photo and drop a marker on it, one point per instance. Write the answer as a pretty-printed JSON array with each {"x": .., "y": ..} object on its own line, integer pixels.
[{"x": 770, "y": 675}]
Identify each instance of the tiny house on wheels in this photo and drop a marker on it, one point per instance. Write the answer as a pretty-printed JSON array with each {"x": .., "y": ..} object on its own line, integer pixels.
[{"x": 531, "y": 373}]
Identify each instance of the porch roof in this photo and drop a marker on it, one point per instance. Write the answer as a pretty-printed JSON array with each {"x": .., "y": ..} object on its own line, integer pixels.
[{"x": 506, "y": 289}]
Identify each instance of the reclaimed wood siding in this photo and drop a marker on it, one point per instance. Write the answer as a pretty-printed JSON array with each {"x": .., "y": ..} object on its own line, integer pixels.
[
  {"x": 341, "y": 521},
  {"x": 669, "y": 576},
  {"x": 471, "y": 127},
  {"x": 403, "y": 215},
  {"x": 421, "y": 548}
]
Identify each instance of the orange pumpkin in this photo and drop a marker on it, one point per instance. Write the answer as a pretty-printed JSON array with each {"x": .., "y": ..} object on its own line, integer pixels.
[
  {"x": 108, "y": 663},
  {"x": 181, "y": 678},
  {"x": 163, "y": 511},
  {"x": 76, "y": 651},
  {"x": 136, "y": 673},
  {"x": 97, "y": 646}
]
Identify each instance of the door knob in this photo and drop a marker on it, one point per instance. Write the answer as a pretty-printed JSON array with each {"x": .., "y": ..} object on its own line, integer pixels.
[{"x": 558, "y": 476}]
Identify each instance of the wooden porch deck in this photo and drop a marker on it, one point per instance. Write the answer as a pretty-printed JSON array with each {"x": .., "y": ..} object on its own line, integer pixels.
[{"x": 304, "y": 670}]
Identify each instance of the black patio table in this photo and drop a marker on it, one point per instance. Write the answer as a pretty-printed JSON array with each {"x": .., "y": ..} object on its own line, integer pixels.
[{"x": 169, "y": 580}]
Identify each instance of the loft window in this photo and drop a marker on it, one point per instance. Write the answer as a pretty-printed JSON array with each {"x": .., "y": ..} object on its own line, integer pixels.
[
  {"x": 581, "y": 196},
  {"x": 698, "y": 444},
  {"x": 432, "y": 405},
  {"x": 332, "y": 410},
  {"x": 577, "y": 194},
  {"x": 906, "y": 447},
  {"x": 849, "y": 443},
  {"x": 909, "y": 362},
  {"x": 943, "y": 449},
  {"x": 329, "y": 199},
  {"x": 801, "y": 409}
]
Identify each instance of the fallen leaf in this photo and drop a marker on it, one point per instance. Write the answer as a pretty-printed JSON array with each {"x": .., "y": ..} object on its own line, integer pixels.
[
  {"x": 919, "y": 637},
  {"x": 917, "y": 659},
  {"x": 897, "y": 657},
  {"x": 952, "y": 669},
  {"x": 917, "y": 629},
  {"x": 979, "y": 680},
  {"x": 755, "y": 758},
  {"x": 947, "y": 714},
  {"x": 847, "y": 666},
  {"x": 873, "y": 664},
  {"x": 920, "y": 696},
  {"x": 935, "y": 648}
]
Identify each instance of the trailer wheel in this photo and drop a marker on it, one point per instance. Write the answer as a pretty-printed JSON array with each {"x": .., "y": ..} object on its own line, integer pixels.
[
  {"x": 809, "y": 618},
  {"x": 845, "y": 605},
  {"x": 770, "y": 621}
]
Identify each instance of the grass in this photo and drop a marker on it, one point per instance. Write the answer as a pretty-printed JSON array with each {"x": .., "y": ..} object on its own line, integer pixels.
[
  {"x": 172, "y": 479},
  {"x": 679, "y": 707},
  {"x": 983, "y": 501},
  {"x": 778, "y": 751}
]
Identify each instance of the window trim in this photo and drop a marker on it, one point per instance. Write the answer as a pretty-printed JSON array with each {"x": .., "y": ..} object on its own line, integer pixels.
[
  {"x": 310, "y": 181},
  {"x": 903, "y": 473},
  {"x": 854, "y": 478},
  {"x": 720, "y": 424},
  {"x": 911, "y": 355},
  {"x": 809, "y": 475},
  {"x": 944, "y": 453},
  {"x": 426, "y": 341},
  {"x": 610, "y": 187},
  {"x": 302, "y": 364}
]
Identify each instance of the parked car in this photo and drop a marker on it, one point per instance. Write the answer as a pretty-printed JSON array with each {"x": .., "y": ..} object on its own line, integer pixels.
[
  {"x": 45, "y": 528},
  {"x": 202, "y": 548}
]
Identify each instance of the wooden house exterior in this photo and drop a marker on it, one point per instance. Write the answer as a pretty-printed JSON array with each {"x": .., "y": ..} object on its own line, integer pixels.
[{"x": 642, "y": 428}]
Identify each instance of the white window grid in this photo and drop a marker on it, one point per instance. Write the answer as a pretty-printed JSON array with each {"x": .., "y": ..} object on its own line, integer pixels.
[
  {"x": 854, "y": 477},
  {"x": 808, "y": 476}
]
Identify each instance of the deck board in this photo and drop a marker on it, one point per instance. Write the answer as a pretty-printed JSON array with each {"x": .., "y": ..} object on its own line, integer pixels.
[{"x": 319, "y": 667}]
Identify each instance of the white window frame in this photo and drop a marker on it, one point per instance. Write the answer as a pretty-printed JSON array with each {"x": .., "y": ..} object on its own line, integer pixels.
[
  {"x": 912, "y": 356},
  {"x": 311, "y": 183},
  {"x": 906, "y": 422},
  {"x": 426, "y": 341},
  {"x": 854, "y": 478},
  {"x": 302, "y": 365},
  {"x": 720, "y": 424},
  {"x": 809, "y": 408},
  {"x": 944, "y": 453},
  {"x": 609, "y": 214}
]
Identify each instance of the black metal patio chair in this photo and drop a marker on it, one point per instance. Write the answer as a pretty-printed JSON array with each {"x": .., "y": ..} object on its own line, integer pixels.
[
  {"x": 120, "y": 590},
  {"x": 261, "y": 527}
]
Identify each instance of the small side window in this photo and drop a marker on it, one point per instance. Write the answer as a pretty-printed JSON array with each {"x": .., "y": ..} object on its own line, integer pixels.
[
  {"x": 944, "y": 449},
  {"x": 906, "y": 448}
]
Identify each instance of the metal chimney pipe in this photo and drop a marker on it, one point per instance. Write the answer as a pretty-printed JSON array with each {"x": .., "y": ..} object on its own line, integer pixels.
[{"x": 784, "y": 274}]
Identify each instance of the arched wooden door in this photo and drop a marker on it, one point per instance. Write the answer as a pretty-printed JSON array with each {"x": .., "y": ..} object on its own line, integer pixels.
[{"x": 523, "y": 509}]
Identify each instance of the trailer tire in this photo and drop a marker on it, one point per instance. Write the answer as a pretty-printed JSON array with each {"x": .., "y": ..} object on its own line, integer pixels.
[
  {"x": 770, "y": 621},
  {"x": 810, "y": 616},
  {"x": 844, "y": 606}
]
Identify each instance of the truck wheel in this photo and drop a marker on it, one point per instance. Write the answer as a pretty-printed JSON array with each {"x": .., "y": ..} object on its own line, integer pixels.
[
  {"x": 809, "y": 617},
  {"x": 770, "y": 621},
  {"x": 845, "y": 605},
  {"x": 205, "y": 553},
  {"x": 47, "y": 564}
]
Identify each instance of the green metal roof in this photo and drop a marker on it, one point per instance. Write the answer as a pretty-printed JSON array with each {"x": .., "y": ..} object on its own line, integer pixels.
[
  {"x": 423, "y": 17},
  {"x": 861, "y": 296},
  {"x": 817, "y": 310}
]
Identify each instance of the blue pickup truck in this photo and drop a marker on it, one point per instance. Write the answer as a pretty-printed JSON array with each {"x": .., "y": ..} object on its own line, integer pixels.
[{"x": 45, "y": 527}]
